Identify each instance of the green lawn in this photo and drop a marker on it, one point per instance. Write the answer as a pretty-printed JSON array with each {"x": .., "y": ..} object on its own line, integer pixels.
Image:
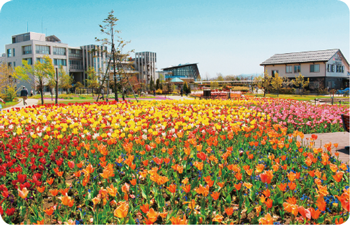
[{"x": 8, "y": 104}]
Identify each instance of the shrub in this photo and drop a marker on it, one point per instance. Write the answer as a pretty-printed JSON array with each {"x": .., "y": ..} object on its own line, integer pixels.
[
  {"x": 239, "y": 88},
  {"x": 159, "y": 91},
  {"x": 66, "y": 96}
]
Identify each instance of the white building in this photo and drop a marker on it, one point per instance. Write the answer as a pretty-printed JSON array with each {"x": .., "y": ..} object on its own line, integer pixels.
[
  {"x": 324, "y": 68},
  {"x": 145, "y": 64},
  {"x": 74, "y": 60}
]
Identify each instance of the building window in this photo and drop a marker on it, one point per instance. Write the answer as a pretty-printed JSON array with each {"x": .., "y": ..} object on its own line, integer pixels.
[
  {"x": 9, "y": 64},
  {"x": 332, "y": 68},
  {"x": 59, "y": 51},
  {"x": 29, "y": 60},
  {"x": 327, "y": 67},
  {"x": 340, "y": 69},
  {"x": 27, "y": 49},
  {"x": 40, "y": 49},
  {"x": 14, "y": 52},
  {"x": 59, "y": 62},
  {"x": 14, "y": 64},
  {"x": 289, "y": 69},
  {"x": 315, "y": 68},
  {"x": 9, "y": 53},
  {"x": 273, "y": 72},
  {"x": 297, "y": 69},
  {"x": 41, "y": 60}
]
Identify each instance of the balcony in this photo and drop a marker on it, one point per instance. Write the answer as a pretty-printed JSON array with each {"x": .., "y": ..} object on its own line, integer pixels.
[{"x": 76, "y": 67}]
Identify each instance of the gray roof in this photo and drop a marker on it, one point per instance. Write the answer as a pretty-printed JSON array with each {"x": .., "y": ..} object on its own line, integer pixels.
[{"x": 300, "y": 57}]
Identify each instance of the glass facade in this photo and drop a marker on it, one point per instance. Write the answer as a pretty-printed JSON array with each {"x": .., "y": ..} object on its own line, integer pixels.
[
  {"x": 27, "y": 49},
  {"x": 296, "y": 69},
  {"x": 59, "y": 62},
  {"x": 59, "y": 51},
  {"x": 9, "y": 53},
  {"x": 29, "y": 60},
  {"x": 315, "y": 68},
  {"x": 183, "y": 71},
  {"x": 40, "y": 49},
  {"x": 41, "y": 60}
]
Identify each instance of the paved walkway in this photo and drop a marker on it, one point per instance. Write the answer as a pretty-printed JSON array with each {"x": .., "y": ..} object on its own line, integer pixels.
[
  {"x": 342, "y": 138},
  {"x": 29, "y": 102}
]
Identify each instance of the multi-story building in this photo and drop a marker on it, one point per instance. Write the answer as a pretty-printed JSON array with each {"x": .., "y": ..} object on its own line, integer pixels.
[
  {"x": 145, "y": 64},
  {"x": 3, "y": 58},
  {"x": 74, "y": 60},
  {"x": 324, "y": 68},
  {"x": 185, "y": 72}
]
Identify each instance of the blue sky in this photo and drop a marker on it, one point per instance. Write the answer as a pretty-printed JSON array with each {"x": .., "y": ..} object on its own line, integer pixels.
[{"x": 224, "y": 36}]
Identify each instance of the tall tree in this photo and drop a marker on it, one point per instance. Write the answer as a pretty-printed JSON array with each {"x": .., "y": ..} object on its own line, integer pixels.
[
  {"x": 91, "y": 79},
  {"x": 157, "y": 84},
  {"x": 276, "y": 83},
  {"x": 264, "y": 82},
  {"x": 116, "y": 52},
  {"x": 40, "y": 73},
  {"x": 301, "y": 82},
  {"x": 65, "y": 80}
]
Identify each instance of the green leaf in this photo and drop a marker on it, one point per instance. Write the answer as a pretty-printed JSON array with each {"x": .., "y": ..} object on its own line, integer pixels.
[{"x": 228, "y": 199}]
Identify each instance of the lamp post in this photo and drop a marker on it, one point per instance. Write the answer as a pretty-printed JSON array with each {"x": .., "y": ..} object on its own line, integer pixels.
[{"x": 56, "y": 98}]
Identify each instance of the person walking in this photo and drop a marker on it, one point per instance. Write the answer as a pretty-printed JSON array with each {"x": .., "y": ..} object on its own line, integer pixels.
[
  {"x": 181, "y": 92},
  {"x": 31, "y": 93},
  {"x": 24, "y": 95},
  {"x": 154, "y": 92}
]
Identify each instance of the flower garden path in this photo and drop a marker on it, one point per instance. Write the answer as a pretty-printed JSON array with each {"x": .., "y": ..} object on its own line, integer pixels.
[{"x": 342, "y": 138}]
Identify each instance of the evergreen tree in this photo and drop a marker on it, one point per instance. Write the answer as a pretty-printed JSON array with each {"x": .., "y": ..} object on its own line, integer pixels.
[
  {"x": 189, "y": 89},
  {"x": 185, "y": 87},
  {"x": 157, "y": 84},
  {"x": 151, "y": 84}
]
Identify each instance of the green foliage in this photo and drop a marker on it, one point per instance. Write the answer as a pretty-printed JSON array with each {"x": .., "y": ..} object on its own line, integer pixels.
[
  {"x": 185, "y": 87},
  {"x": 9, "y": 93},
  {"x": 41, "y": 73},
  {"x": 276, "y": 82},
  {"x": 65, "y": 80},
  {"x": 263, "y": 82},
  {"x": 214, "y": 85},
  {"x": 300, "y": 82},
  {"x": 151, "y": 84},
  {"x": 157, "y": 84}
]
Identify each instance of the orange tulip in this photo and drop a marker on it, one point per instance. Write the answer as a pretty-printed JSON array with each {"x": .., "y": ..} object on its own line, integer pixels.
[
  {"x": 172, "y": 188},
  {"x": 49, "y": 211},
  {"x": 258, "y": 210},
  {"x": 23, "y": 194},
  {"x": 338, "y": 176},
  {"x": 145, "y": 208},
  {"x": 229, "y": 211},
  {"x": 54, "y": 192},
  {"x": 268, "y": 203},
  {"x": 215, "y": 195},
  {"x": 282, "y": 187},
  {"x": 41, "y": 189},
  {"x": 122, "y": 210},
  {"x": 186, "y": 188},
  {"x": 315, "y": 213},
  {"x": 133, "y": 182},
  {"x": 178, "y": 220},
  {"x": 238, "y": 186},
  {"x": 218, "y": 218},
  {"x": 152, "y": 215},
  {"x": 267, "y": 219},
  {"x": 292, "y": 185},
  {"x": 50, "y": 181}
]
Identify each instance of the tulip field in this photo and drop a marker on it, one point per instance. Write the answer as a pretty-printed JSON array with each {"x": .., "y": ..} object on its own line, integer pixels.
[{"x": 172, "y": 162}]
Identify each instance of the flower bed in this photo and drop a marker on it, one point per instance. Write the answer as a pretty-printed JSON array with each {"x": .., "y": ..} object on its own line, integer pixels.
[{"x": 164, "y": 162}]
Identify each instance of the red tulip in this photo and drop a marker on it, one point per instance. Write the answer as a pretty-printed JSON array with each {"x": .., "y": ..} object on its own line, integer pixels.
[{"x": 71, "y": 164}]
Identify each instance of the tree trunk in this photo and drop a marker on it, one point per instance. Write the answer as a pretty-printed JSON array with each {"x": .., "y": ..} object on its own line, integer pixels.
[
  {"x": 51, "y": 94},
  {"x": 41, "y": 92}
]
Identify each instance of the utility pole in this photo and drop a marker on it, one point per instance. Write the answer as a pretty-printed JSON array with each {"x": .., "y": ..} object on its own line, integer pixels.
[{"x": 56, "y": 98}]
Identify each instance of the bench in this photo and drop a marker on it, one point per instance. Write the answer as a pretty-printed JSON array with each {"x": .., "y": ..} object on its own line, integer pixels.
[{"x": 346, "y": 124}]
